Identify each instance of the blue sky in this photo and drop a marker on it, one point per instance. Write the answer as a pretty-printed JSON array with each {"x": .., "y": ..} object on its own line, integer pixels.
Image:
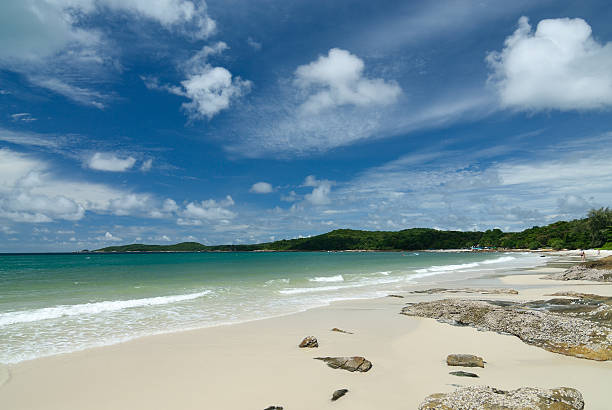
[{"x": 234, "y": 121}]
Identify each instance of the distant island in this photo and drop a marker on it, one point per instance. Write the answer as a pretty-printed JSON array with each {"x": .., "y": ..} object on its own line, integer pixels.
[{"x": 594, "y": 231}]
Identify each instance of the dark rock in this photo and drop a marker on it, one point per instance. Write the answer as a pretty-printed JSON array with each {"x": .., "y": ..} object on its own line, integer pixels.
[
  {"x": 461, "y": 373},
  {"x": 555, "y": 332},
  {"x": 335, "y": 329},
  {"x": 484, "y": 397},
  {"x": 309, "y": 341},
  {"x": 339, "y": 393},
  {"x": 352, "y": 364},
  {"x": 465, "y": 360},
  {"x": 395, "y": 296},
  {"x": 274, "y": 408}
]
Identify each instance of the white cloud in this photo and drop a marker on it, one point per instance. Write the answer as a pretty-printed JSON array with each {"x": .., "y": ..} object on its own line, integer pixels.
[
  {"x": 147, "y": 165},
  {"x": 210, "y": 89},
  {"x": 77, "y": 94},
  {"x": 110, "y": 237},
  {"x": 256, "y": 45},
  {"x": 337, "y": 79},
  {"x": 30, "y": 192},
  {"x": 261, "y": 188},
  {"x": 559, "y": 66},
  {"x": 104, "y": 161},
  {"x": 23, "y": 117},
  {"x": 210, "y": 210},
  {"x": 320, "y": 192}
]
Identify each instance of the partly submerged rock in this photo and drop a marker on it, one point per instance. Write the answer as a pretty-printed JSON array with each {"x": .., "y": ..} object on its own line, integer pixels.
[
  {"x": 484, "y": 397},
  {"x": 352, "y": 364},
  {"x": 465, "y": 360},
  {"x": 461, "y": 373},
  {"x": 599, "y": 271},
  {"x": 274, "y": 408},
  {"x": 395, "y": 296},
  {"x": 335, "y": 329},
  {"x": 496, "y": 291},
  {"x": 309, "y": 341},
  {"x": 339, "y": 393},
  {"x": 555, "y": 332}
]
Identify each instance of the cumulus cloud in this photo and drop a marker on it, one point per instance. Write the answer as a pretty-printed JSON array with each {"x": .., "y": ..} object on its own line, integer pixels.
[
  {"x": 337, "y": 79},
  {"x": 211, "y": 89},
  {"x": 30, "y": 192},
  {"x": 558, "y": 66},
  {"x": 320, "y": 191},
  {"x": 209, "y": 210},
  {"x": 104, "y": 161},
  {"x": 110, "y": 237},
  {"x": 261, "y": 188}
]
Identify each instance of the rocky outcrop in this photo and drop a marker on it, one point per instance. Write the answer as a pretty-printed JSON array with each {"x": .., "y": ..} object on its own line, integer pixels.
[
  {"x": 555, "y": 332},
  {"x": 309, "y": 341},
  {"x": 484, "y": 397},
  {"x": 352, "y": 364},
  {"x": 335, "y": 329},
  {"x": 461, "y": 373},
  {"x": 465, "y": 360},
  {"x": 599, "y": 271},
  {"x": 496, "y": 291},
  {"x": 339, "y": 393}
]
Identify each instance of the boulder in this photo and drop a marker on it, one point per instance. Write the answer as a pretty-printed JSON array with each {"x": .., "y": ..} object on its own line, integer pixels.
[
  {"x": 484, "y": 397},
  {"x": 352, "y": 364},
  {"x": 309, "y": 341},
  {"x": 465, "y": 360},
  {"x": 598, "y": 271},
  {"x": 579, "y": 336},
  {"x": 339, "y": 393}
]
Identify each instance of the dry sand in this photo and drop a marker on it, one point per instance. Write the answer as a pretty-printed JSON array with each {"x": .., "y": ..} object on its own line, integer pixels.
[{"x": 258, "y": 364}]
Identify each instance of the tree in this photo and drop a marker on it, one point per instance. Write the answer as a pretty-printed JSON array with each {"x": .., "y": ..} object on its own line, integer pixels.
[{"x": 599, "y": 224}]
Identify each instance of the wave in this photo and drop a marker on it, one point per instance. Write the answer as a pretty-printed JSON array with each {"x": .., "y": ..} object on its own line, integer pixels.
[
  {"x": 54, "y": 312},
  {"x": 384, "y": 272},
  {"x": 499, "y": 260},
  {"x": 336, "y": 278},
  {"x": 462, "y": 266},
  {"x": 273, "y": 281}
]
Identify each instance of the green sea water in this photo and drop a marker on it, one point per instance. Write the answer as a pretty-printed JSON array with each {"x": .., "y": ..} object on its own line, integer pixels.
[{"x": 58, "y": 303}]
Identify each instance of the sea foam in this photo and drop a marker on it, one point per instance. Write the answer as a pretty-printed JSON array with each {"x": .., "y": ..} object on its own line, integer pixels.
[
  {"x": 336, "y": 278},
  {"x": 24, "y": 316}
]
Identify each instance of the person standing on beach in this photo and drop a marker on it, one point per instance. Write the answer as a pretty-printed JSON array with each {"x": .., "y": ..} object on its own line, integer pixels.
[{"x": 582, "y": 256}]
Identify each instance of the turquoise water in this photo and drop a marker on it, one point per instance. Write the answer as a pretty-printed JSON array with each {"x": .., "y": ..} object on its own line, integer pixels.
[{"x": 53, "y": 304}]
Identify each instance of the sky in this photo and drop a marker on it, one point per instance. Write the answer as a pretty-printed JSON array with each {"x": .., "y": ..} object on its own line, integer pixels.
[{"x": 234, "y": 121}]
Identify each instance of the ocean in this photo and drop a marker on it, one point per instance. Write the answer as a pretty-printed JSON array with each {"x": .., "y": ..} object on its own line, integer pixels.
[{"x": 59, "y": 303}]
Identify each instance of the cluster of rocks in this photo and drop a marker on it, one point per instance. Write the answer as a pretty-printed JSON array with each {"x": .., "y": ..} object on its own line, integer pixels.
[
  {"x": 484, "y": 397},
  {"x": 599, "y": 271},
  {"x": 555, "y": 332},
  {"x": 496, "y": 291}
]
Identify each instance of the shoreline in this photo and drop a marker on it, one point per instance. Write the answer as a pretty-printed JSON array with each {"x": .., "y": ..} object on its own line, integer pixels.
[{"x": 260, "y": 360}]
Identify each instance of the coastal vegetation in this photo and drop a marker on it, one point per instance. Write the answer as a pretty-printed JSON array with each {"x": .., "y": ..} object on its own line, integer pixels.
[{"x": 594, "y": 231}]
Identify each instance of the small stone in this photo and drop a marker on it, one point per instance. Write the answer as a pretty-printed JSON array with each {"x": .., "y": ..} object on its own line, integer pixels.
[
  {"x": 339, "y": 393},
  {"x": 274, "y": 408},
  {"x": 461, "y": 373},
  {"x": 352, "y": 364},
  {"x": 395, "y": 296},
  {"x": 465, "y": 360},
  {"x": 309, "y": 341},
  {"x": 335, "y": 329}
]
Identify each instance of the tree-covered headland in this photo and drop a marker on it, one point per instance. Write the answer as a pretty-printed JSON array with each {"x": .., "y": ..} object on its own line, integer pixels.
[{"x": 594, "y": 231}]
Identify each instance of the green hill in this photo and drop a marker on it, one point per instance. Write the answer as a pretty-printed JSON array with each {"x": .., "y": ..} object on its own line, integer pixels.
[{"x": 591, "y": 232}]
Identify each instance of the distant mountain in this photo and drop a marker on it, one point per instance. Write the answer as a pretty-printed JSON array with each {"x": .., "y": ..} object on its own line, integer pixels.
[{"x": 593, "y": 231}]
